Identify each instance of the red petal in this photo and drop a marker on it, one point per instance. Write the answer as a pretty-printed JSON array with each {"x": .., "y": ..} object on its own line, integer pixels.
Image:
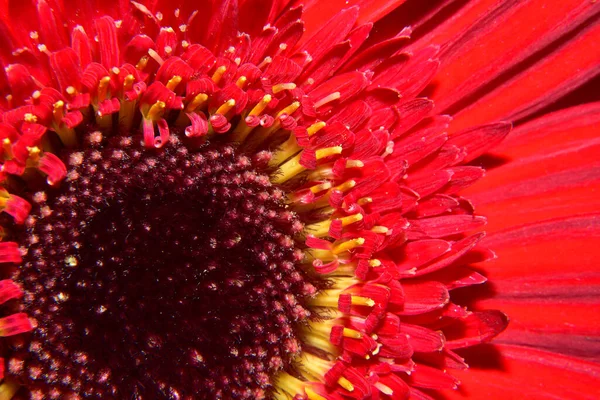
[
  {"x": 467, "y": 65},
  {"x": 477, "y": 328},
  {"x": 539, "y": 85},
  {"x": 108, "y": 44},
  {"x": 423, "y": 297},
  {"x": 480, "y": 139},
  {"x": 504, "y": 372}
]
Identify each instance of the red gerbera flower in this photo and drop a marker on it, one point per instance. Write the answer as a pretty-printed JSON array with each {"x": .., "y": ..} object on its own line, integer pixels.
[{"x": 249, "y": 199}]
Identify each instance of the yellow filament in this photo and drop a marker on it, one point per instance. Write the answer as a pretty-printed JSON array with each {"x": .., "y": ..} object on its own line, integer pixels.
[
  {"x": 362, "y": 301},
  {"x": 280, "y": 87},
  {"x": 384, "y": 389},
  {"x": 29, "y": 117},
  {"x": 344, "y": 187},
  {"x": 219, "y": 74},
  {"x": 103, "y": 88},
  {"x": 241, "y": 81},
  {"x": 126, "y": 114},
  {"x": 128, "y": 82},
  {"x": 313, "y": 366},
  {"x": 198, "y": 100},
  {"x": 328, "y": 151},
  {"x": 348, "y": 245},
  {"x": 325, "y": 298},
  {"x": 34, "y": 155},
  {"x": 141, "y": 65},
  {"x": 173, "y": 82},
  {"x": 320, "y": 187},
  {"x": 242, "y": 130},
  {"x": 289, "y": 110},
  {"x": 59, "y": 111},
  {"x": 288, "y": 170},
  {"x": 285, "y": 151},
  {"x": 7, "y": 147},
  {"x": 346, "y": 384},
  {"x": 156, "y": 111},
  {"x": 320, "y": 229},
  {"x": 316, "y": 127},
  {"x": 260, "y": 107},
  {"x": 364, "y": 200},
  {"x": 354, "y": 164},
  {"x": 327, "y": 99},
  {"x": 375, "y": 263},
  {"x": 319, "y": 341},
  {"x": 8, "y": 390},
  {"x": 312, "y": 395},
  {"x": 155, "y": 56},
  {"x": 226, "y": 107},
  {"x": 380, "y": 229}
]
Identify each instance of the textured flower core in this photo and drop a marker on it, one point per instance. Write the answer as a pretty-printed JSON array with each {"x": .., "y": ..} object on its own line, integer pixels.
[
  {"x": 176, "y": 275},
  {"x": 192, "y": 211}
]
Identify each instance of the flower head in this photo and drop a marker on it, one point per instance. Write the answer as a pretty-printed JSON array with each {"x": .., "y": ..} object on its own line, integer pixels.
[{"x": 211, "y": 201}]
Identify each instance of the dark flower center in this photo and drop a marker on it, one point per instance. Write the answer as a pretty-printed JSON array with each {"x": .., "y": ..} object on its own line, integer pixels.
[{"x": 151, "y": 275}]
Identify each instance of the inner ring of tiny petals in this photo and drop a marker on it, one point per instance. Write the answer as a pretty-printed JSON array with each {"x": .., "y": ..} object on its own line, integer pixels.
[{"x": 152, "y": 274}]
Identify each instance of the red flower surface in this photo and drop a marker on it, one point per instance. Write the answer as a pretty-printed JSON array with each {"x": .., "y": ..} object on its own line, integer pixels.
[{"x": 250, "y": 199}]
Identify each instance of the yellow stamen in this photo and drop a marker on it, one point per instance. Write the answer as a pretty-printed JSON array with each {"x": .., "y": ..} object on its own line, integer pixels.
[
  {"x": 346, "y": 384},
  {"x": 71, "y": 91},
  {"x": 155, "y": 56},
  {"x": 156, "y": 111},
  {"x": 59, "y": 111},
  {"x": 320, "y": 229},
  {"x": 288, "y": 170},
  {"x": 348, "y": 245},
  {"x": 280, "y": 87},
  {"x": 289, "y": 110},
  {"x": 328, "y": 151},
  {"x": 327, "y": 99},
  {"x": 319, "y": 188},
  {"x": 375, "y": 263},
  {"x": 141, "y": 65},
  {"x": 344, "y": 187},
  {"x": 242, "y": 130},
  {"x": 103, "y": 88},
  {"x": 362, "y": 301},
  {"x": 292, "y": 167},
  {"x": 173, "y": 82},
  {"x": 34, "y": 155},
  {"x": 8, "y": 389},
  {"x": 265, "y": 62},
  {"x": 66, "y": 134},
  {"x": 198, "y": 100},
  {"x": 364, "y": 201},
  {"x": 312, "y": 395},
  {"x": 29, "y": 117},
  {"x": 316, "y": 127},
  {"x": 285, "y": 151},
  {"x": 354, "y": 164},
  {"x": 128, "y": 82},
  {"x": 380, "y": 229},
  {"x": 288, "y": 384},
  {"x": 7, "y": 147},
  {"x": 384, "y": 389},
  {"x": 241, "y": 82},
  {"x": 219, "y": 74},
  {"x": 226, "y": 107},
  {"x": 351, "y": 333},
  {"x": 260, "y": 107}
]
